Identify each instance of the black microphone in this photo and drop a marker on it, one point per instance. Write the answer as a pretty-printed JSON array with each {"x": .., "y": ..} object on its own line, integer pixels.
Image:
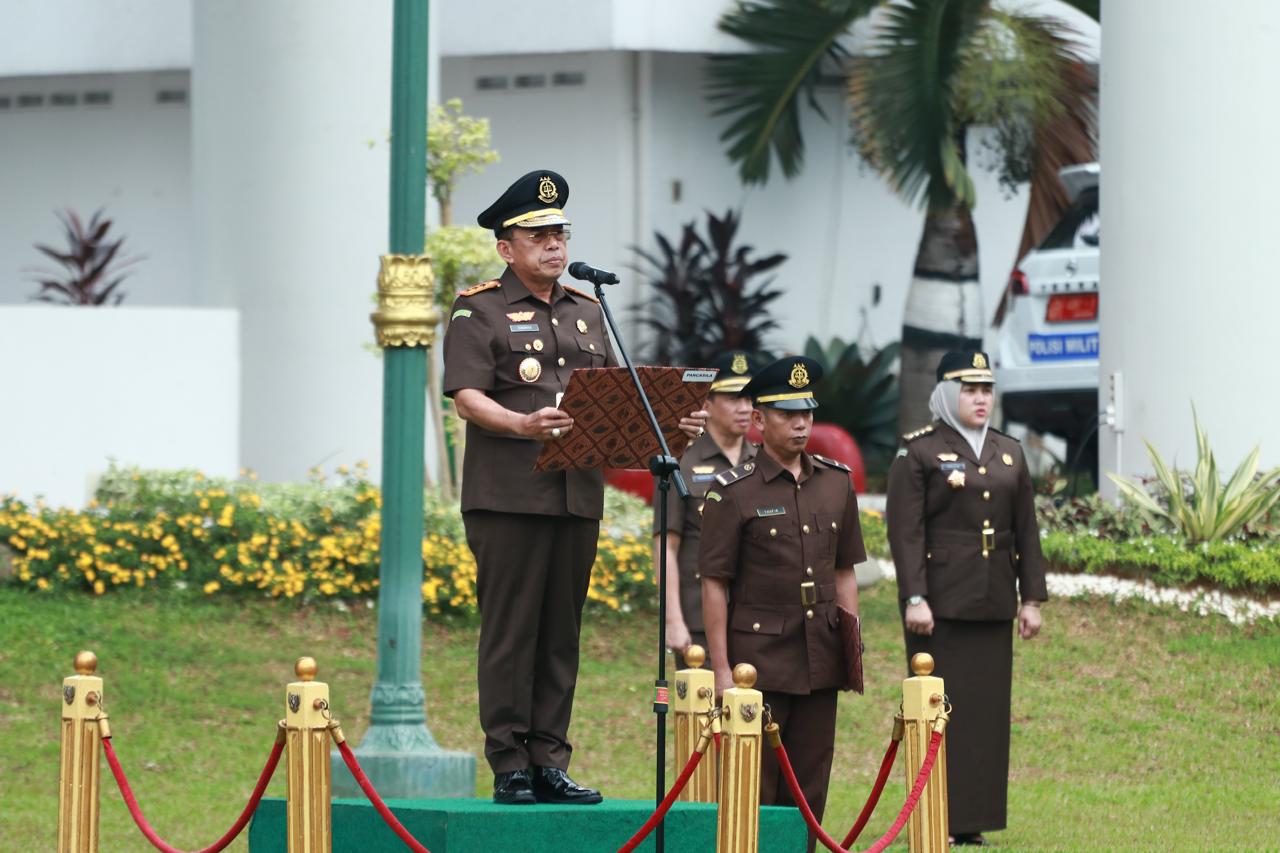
[{"x": 583, "y": 272}]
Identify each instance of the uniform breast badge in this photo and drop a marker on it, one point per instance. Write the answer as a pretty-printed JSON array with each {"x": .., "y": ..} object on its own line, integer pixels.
[
  {"x": 1007, "y": 459},
  {"x": 530, "y": 369},
  {"x": 582, "y": 326},
  {"x": 956, "y": 479},
  {"x": 948, "y": 457}
]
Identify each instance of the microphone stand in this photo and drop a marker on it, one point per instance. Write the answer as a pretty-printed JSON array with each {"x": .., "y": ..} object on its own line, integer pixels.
[{"x": 667, "y": 469}]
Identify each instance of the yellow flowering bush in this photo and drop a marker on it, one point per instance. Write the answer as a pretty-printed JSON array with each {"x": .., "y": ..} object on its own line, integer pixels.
[
  {"x": 180, "y": 530},
  {"x": 320, "y": 539}
]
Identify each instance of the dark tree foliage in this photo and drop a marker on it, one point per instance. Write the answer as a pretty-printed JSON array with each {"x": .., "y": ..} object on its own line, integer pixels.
[
  {"x": 91, "y": 267},
  {"x": 860, "y": 395},
  {"x": 706, "y": 294}
]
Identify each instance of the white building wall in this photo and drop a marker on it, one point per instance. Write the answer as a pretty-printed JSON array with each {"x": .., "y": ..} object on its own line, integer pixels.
[
  {"x": 93, "y": 36},
  {"x": 291, "y": 107},
  {"x": 131, "y": 156},
  {"x": 841, "y": 226},
  {"x": 152, "y": 387},
  {"x": 1188, "y": 260}
]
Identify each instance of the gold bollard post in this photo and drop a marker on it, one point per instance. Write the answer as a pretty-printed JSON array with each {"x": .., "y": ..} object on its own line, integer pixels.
[
  {"x": 306, "y": 723},
  {"x": 738, "y": 819},
  {"x": 923, "y": 700},
  {"x": 78, "y": 775},
  {"x": 695, "y": 698}
]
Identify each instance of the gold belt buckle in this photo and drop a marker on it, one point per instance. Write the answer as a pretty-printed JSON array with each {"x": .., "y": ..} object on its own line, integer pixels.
[
  {"x": 808, "y": 593},
  {"x": 988, "y": 540}
]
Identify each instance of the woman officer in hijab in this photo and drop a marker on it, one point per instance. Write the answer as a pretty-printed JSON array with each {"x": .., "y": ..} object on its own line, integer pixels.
[{"x": 966, "y": 546}]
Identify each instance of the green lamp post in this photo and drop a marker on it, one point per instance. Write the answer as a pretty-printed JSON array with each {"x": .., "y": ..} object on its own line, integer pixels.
[{"x": 398, "y": 752}]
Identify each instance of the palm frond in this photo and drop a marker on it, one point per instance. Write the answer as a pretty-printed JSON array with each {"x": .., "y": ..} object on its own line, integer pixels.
[
  {"x": 904, "y": 111},
  {"x": 760, "y": 91}
]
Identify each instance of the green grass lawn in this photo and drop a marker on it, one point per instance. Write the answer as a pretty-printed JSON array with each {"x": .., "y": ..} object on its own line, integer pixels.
[{"x": 1134, "y": 728}]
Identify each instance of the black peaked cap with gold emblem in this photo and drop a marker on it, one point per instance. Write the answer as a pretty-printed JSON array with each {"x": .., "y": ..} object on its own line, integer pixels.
[
  {"x": 965, "y": 366},
  {"x": 736, "y": 369},
  {"x": 533, "y": 201},
  {"x": 786, "y": 384}
]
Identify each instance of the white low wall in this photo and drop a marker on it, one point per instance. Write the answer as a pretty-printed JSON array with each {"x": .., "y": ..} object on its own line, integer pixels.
[{"x": 156, "y": 387}]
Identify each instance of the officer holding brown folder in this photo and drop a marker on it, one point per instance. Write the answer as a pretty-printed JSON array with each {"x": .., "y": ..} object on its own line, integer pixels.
[
  {"x": 509, "y": 349},
  {"x": 780, "y": 537}
]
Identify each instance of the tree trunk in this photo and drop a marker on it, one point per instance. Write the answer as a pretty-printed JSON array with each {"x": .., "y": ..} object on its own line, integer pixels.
[
  {"x": 434, "y": 407},
  {"x": 944, "y": 308}
]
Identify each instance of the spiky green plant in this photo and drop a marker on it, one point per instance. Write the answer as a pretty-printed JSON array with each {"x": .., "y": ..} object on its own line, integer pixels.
[{"x": 1199, "y": 506}]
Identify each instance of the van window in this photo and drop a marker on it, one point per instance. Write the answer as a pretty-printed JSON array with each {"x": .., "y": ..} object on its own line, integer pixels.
[{"x": 1079, "y": 226}]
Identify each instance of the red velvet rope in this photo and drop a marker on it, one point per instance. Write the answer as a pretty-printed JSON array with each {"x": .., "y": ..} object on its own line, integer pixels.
[
  {"x": 876, "y": 790},
  {"x": 365, "y": 785},
  {"x": 136, "y": 812},
  {"x": 935, "y": 740},
  {"x": 665, "y": 806}
]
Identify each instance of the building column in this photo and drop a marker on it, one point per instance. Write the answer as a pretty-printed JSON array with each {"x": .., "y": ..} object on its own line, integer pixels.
[
  {"x": 1189, "y": 179},
  {"x": 290, "y": 116}
]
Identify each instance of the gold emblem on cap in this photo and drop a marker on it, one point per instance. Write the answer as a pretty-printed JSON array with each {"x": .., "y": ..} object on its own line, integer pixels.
[
  {"x": 799, "y": 376},
  {"x": 530, "y": 369},
  {"x": 519, "y": 316},
  {"x": 739, "y": 365},
  {"x": 547, "y": 191},
  {"x": 1007, "y": 459},
  {"x": 582, "y": 326},
  {"x": 979, "y": 361}
]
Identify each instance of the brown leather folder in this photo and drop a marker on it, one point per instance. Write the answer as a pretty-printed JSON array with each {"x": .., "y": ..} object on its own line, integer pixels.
[
  {"x": 851, "y": 638},
  {"x": 610, "y": 426}
]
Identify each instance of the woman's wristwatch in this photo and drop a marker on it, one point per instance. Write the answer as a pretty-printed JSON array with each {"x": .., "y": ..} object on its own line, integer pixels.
[{"x": 915, "y": 599}]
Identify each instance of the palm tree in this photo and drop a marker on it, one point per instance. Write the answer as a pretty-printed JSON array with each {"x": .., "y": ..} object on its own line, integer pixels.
[{"x": 933, "y": 69}]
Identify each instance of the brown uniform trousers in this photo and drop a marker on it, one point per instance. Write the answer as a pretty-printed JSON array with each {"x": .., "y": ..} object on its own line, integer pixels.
[
  {"x": 778, "y": 543},
  {"x": 941, "y": 498},
  {"x": 533, "y": 534},
  {"x": 702, "y": 461}
]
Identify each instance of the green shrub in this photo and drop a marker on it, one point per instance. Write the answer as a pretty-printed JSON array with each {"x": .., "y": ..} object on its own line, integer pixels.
[
  {"x": 1252, "y": 567},
  {"x": 1198, "y": 506}
]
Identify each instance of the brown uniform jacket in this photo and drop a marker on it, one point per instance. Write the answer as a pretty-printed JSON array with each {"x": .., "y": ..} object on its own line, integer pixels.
[
  {"x": 941, "y": 498},
  {"x": 770, "y": 538},
  {"x": 702, "y": 461},
  {"x": 519, "y": 351}
]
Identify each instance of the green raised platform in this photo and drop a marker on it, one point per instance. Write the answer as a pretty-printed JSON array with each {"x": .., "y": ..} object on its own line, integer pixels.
[{"x": 478, "y": 826}]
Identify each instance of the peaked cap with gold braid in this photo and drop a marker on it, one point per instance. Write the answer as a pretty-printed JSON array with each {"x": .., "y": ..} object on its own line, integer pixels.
[
  {"x": 535, "y": 200},
  {"x": 786, "y": 384}
]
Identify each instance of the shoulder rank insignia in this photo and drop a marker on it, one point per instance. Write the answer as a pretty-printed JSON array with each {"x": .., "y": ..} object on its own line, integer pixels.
[
  {"x": 831, "y": 462},
  {"x": 733, "y": 475},
  {"x": 914, "y": 434},
  {"x": 576, "y": 292},
  {"x": 481, "y": 287},
  {"x": 1005, "y": 434}
]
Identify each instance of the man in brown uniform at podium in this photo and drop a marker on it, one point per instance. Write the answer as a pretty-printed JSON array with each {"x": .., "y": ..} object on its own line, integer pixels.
[
  {"x": 780, "y": 537},
  {"x": 509, "y": 348}
]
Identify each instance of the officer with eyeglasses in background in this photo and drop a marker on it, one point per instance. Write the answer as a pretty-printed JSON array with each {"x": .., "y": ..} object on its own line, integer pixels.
[{"x": 509, "y": 349}]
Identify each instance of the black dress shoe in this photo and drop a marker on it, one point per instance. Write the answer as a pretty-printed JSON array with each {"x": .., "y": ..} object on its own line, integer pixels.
[
  {"x": 513, "y": 789},
  {"x": 552, "y": 785},
  {"x": 969, "y": 839}
]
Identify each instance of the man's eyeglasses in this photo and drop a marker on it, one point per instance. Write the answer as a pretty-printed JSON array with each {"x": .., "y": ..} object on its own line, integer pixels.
[{"x": 540, "y": 238}]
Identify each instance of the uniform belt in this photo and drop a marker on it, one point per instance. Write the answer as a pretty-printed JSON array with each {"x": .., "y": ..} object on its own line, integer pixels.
[
  {"x": 806, "y": 593},
  {"x": 998, "y": 540}
]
